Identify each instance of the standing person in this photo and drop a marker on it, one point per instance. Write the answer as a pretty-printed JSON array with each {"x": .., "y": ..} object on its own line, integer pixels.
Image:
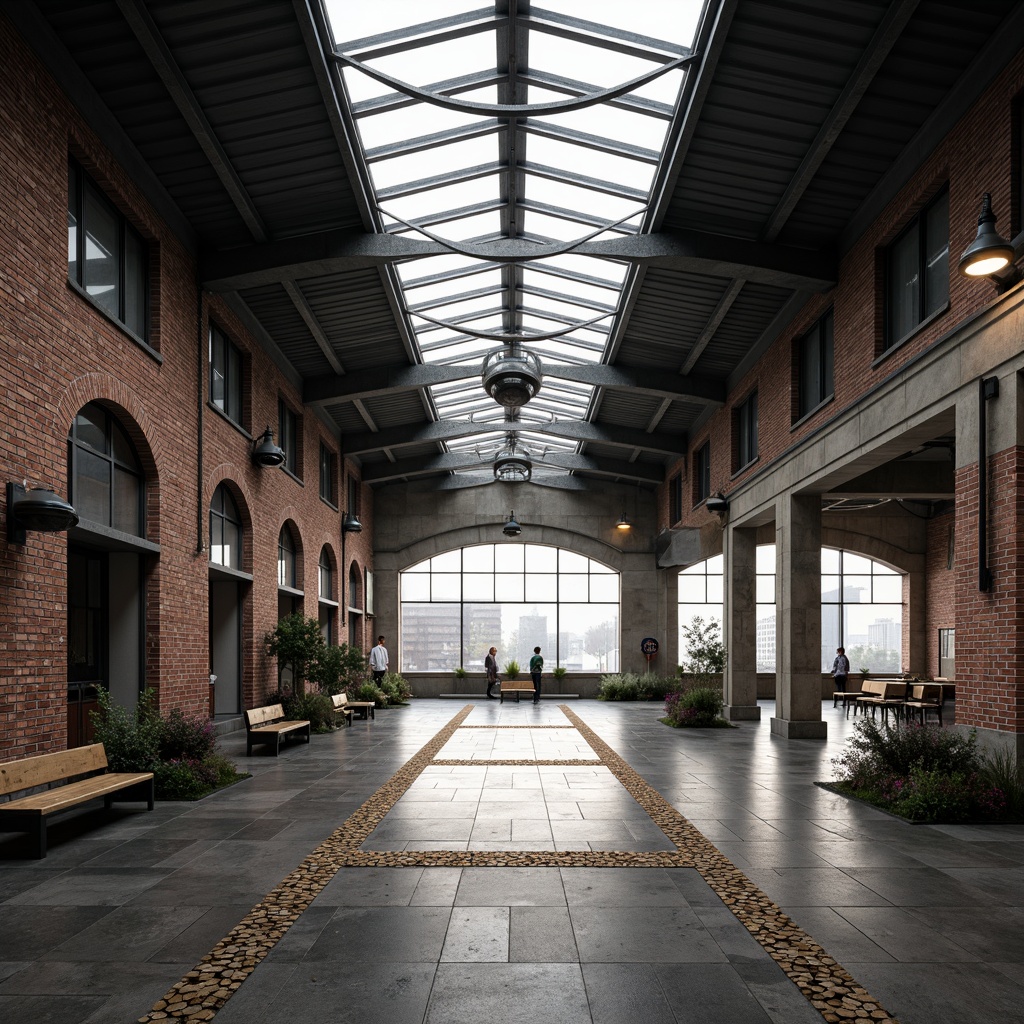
[
  {"x": 491, "y": 668},
  {"x": 379, "y": 660},
  {"x": 841, "y": 669},
  {"x": 536, "y": 667}
]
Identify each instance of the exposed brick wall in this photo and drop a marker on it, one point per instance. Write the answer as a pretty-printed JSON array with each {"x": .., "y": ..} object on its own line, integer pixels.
[
  {"x": 940, "y": 588},
  {"x": 57, "y": 353},
  {"x": 989, "y": 624}
]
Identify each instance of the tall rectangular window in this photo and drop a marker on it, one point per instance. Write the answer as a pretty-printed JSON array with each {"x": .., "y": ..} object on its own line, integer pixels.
[
  {"x": 288, "y": 437},
  {"x": 814, "y": 369},
  {"x": 702, "y": 473},
  {"x": 918, "y": 271},
  {"x": 327, "y": 474},
  {"x": 746, "y": 431},
  {"x": 225, "y": 375},
  {"x": 675, "y": 499},
  {"x": 353, "y": 496},
  {"x": 108, "y": 259}
]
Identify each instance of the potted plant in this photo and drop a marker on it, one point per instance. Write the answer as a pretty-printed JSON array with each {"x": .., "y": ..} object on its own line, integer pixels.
[
  {"x": 511, "y": 669},
  {"x": 460, "y": 673},
  {"x": 558, "y": 674}
]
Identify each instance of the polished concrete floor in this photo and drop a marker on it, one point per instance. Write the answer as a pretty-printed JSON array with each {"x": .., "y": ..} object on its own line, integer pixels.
[{"x": 929, "y": 920}]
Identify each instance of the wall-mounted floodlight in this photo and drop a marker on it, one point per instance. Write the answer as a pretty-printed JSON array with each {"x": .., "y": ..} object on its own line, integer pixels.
[{"x": 37, "y": 509}]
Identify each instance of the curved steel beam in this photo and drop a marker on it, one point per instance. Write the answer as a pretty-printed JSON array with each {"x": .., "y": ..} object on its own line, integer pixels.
[{"x": 512, "y": 109}]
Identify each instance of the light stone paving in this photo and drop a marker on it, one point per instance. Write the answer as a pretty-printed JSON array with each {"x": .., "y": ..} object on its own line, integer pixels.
[{"x": 208, "y": 987}]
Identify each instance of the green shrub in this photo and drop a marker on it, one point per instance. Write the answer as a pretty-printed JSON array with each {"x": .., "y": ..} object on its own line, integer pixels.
[
  {"x": 190, "y": 739},
  {"x": 631, "y": 686},
  {"x": 559, "y": 672},
  {"x": 700, "y": 706},
  {"x": 338, "y": 669},
  {"x": 184, "y": 779},
  {"x": 316, "y": 708},
  {"x": 371, "y": 691},
  {"x": 511, "y": 669},
  {"x": 1003, "y": 774},
  {"x": 395, "y": 688},
  {"x": 131, "y": 738},
  {"x": 923, "y": 772}
]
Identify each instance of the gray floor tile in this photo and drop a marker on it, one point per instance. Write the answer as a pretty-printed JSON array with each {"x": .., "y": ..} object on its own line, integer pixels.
[
  {"x": 521, "y": 993},
  {"x": 620, "y": 887},
  {"x": 477, "y": 935},
  {"x": 642, "y": 935},
  {"x": 510, "y": 887},
  {"x": 375, "y": 935},
  {"x": 541, "y": 935},
  {"x": 626, "y": 994}
]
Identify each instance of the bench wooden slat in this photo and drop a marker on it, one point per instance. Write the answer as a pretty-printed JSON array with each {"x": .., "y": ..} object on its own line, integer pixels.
[
  {"x": 29, "y": 813},
  {"x": 268, "y": 724}
]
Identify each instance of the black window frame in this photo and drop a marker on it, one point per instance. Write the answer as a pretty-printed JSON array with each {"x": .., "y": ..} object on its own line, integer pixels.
[
  {"x": 288, "y": 426},
  {"x": 328, "y": 475},
  {"x": 81, "y": 185},
  {"x": 353, "y": 497},
  {"x": 675, "y": 499},
  {"x": 702, "y": 473},
  {"x": 816, "y": 349},
  {"x": 929, "y": 305},
  {"x": 745, "y": 425},
  {"x": 227, "y": 359},
  {"x": 225, "y": 517}
]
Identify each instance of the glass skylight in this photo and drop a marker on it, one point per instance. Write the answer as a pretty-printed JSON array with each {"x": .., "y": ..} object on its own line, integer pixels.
[{"x": 471, "y": 178}]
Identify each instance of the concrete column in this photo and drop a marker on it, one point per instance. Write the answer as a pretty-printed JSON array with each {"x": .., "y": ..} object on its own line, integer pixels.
[
  {"x": 667, "y": 661},
  {"x": 740, "y": 629},
  {"x": 798, "y": 618},
  {"x": 915, "y": 611}
]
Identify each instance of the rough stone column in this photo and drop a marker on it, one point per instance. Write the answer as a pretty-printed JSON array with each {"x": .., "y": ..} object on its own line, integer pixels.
[
  {"x": 798, "y": 618},
  {"x": 740, "y": 628}
]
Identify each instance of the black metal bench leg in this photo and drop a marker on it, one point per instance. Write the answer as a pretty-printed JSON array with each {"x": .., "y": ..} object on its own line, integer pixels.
[{"x": 40, "y": 838}]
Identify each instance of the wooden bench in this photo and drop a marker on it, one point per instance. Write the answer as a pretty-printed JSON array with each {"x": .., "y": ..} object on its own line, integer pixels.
[
  {"x": 925, "y": 697},
  {"x": 342, "y": 709},
  {"x": 268, "y": 725},
  {"x": 361, "y": 707},
  {"x": 29, "y": 813},
  {"x": 879, "y": 694},
  {"x": 517, "y": 688}
]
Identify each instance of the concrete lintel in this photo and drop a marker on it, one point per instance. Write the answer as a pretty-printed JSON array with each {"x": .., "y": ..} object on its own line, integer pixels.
[
  {"x": 741, "y": 713},
  {"x": 797, "y": 730}
]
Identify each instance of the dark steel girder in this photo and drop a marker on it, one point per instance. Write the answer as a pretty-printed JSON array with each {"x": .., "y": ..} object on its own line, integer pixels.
[
  {"x": 334, "y": 252},
  {"x": 450, "y": 430},
  {"x": 448, "y": 462},
  {"x": 378, "y": 381}
]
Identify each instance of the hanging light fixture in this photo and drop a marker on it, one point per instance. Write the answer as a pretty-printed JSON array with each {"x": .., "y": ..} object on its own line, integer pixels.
[
  {"x": 512, "y": 464},
  {"x": 266, "y": 454},
  {"x": 350, "y": 523},
  {"x": 624, "y": 524},
  {"x": 511, "y": 375},
  {"x": 511, "y": 527},
  {"x": 989, "y": 252}
]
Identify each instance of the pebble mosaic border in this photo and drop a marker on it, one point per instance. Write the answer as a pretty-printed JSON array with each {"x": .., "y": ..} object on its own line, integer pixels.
[{"x": 210, "y": 984}]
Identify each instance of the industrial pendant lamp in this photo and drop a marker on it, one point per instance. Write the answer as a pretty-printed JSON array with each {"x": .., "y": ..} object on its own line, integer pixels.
[
  {"x": 511, "y": 527},
  {"x": 624, "y": 524},
  {"x": 266, "y": 454},
  {"x": 511, "y": 375},
  {"x": 512, "y": 464},
  {"x": 989, "y": 252}
]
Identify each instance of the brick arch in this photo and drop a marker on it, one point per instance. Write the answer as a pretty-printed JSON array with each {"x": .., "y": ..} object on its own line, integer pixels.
[
  {"x": 115, "y": 395},
  {"x": 223, "y": 475}
]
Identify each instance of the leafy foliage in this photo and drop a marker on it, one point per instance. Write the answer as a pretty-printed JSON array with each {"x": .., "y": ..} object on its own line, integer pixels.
[
  {"x": 511, "y": 669},
  {"x": 559, "y": 672},
  {"x": 315, "y": 708},
  {"x": 697, "y": 707},
  {"x": 395, "y": 688},
  {"x": 705, "y": 651},
  {"x": 297, "y": 641},
  {"x": 922, "y": 772},
  {"x": 631, "y": 686},
  {"x": 178, "y": 750},
  {"x": 371, "y": 691},
  {"x": 337, "y": 668}
]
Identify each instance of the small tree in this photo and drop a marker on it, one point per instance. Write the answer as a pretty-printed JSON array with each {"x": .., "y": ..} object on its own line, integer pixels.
[
  {"x": 297, "y": 641},
  {"x": 338, "y": 669},
  {"x": 705, "y": 651}
]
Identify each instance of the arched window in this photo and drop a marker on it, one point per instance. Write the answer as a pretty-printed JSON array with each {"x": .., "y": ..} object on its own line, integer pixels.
[
  {"x": 513, "y": 597},
  {"x": 225, "y": 530},
  {"x": 328, "y": 606},
  {"x": 107, "y": 485},
  {"x": 861, "y": 607},
  {"x": 285, "y": 559}
]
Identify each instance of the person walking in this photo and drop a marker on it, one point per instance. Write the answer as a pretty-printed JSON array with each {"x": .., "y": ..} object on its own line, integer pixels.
[
  {"x": 536, "y": 667},
  {"x": 491, "y": 668},
  {"x": 841, "y": 669},
  {"x": 379, "y": 660}
]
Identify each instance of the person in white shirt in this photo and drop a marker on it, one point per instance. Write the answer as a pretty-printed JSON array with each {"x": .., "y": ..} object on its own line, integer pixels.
[{"x": 379, "y": 660}]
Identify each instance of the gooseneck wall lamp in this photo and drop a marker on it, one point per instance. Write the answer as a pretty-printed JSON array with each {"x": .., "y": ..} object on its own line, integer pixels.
[
  {"x": 37, "y": 509},
  {"x": 989, "y": 253},
  {"x": 265, "y": 453}
]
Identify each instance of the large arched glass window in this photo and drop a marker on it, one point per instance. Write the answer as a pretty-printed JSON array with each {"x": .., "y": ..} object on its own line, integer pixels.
[
  {"x": 225, "y": 530},
  {"x": 861, "y": 607},
  {"x": 328, "y": 605},
  {"x": 285, "y": 559},
  {"x": 514, "y": 597},
  {"x": 107, "y": 486}
]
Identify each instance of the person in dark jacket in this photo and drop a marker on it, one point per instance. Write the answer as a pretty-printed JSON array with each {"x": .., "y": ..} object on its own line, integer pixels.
[{"x": 491, "y": 668}]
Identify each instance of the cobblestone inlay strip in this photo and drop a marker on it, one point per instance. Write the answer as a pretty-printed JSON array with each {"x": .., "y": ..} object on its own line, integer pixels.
[
  {"x": 578, "y": 762},
  {"x": 830, "y": 989},
  {"x": 211, "y": 983}
]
